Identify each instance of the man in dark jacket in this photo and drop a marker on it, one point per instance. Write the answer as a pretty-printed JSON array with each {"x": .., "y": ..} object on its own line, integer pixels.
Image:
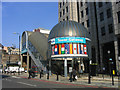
[
  {"x": 30, "y": 73},
  {"x": 74, "y": 74}
]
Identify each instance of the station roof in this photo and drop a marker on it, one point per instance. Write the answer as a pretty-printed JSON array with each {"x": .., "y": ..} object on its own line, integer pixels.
[{"x": 68, "y": 29}]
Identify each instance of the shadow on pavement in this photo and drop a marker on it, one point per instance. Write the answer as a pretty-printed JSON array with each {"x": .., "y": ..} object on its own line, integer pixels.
[{"x": 4, "y": 76}]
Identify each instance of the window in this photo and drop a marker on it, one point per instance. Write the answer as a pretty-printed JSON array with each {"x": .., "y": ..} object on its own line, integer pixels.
[
  {"x": 118, "y": 14},
  {"x": 82, "y": 14},
  {"x": 60, "y": 14},
  {"x": 88, "y": 23},
  {"x": 110, "y": 28},
  {"x": 63, "y": 12},
  {"x": 103, "y": 31},
  {"x": 63, "y": 19},
  {"x": 106, "y": 2},
  {"x": 87, "y": 11},
  {"x": 67, "y": 18},
  {"x": 109, "y": 14},
  {"x": 81, "y": 4},
  {"x": 63, "y": 3},
  {"x": 117, "y": 2},
  {"x": 83, "y": 23},
  {"x": 67, "y": 9},
  {"x": 100, "y": 4},
  {"x": 101, "y": 16},
  {"x": 60, "y": 4}
]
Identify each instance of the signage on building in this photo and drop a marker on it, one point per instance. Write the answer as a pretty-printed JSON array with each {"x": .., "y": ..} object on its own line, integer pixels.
[
  {"x": 68, "y": 46},
  {"x": 68, "y": 40}
]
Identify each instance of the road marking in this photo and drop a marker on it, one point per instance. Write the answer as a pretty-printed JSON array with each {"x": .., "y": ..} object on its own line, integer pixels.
[
  {"x": 15, "y": 77},
  {"x": 27, "y": 84}
]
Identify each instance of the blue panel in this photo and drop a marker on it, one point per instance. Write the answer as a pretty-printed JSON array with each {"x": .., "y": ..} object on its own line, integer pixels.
[
  {"x": 67, "y": 49},
  {"x": 70, "y": 40}
]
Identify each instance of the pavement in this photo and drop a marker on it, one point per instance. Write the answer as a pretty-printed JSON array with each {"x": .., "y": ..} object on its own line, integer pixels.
[{"x": 96, "y": 81}]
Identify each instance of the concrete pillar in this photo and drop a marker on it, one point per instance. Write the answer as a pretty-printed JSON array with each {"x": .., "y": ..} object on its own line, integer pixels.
[
  {"x": 27, "y": 62},
  {"x": 65, "y": 67},
  {"x": 50, "y": 67},
  {"x": 21, "y": 60}
]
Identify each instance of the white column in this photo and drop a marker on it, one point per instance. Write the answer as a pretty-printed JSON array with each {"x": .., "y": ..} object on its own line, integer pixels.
[{"x": 65, "y": 67}]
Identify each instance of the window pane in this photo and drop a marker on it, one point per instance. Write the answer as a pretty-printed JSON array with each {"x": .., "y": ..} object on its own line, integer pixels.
[
  {"x": 103, "y": 31},
  {"x": 118, "y": 13},
  {"x": 101, "y": 16},
  {"x": 110, "y": 28},
  {"x": 109, "y": 14},
  {"x": 100, "y": 4}
]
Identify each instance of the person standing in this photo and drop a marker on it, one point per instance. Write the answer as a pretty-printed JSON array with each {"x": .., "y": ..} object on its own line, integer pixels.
[
  {"x": 30, "y": 73},
  {"x": 74, "y": 74}
]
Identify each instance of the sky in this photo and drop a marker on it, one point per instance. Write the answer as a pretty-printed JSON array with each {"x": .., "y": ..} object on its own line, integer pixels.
[{"x": 26, "y": 16}]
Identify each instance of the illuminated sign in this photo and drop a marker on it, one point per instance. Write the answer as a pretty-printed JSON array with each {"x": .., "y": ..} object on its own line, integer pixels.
[{"x": 68, "y": 40}]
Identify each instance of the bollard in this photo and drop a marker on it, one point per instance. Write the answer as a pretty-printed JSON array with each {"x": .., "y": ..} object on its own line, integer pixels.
[
  {"x": 40, "y": 75},
  {"x": 57, "y": 76},
  {"x": 48, "y": 75}
]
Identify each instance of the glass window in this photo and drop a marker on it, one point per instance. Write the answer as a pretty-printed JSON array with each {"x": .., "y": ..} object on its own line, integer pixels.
[
  {"x": 67, "y": 9},
  {"x": 63, "y": 3},
  {"x": 60, "y": 14},
  {"x": 87, "y": 11},
  {"x": 67, "y": 18},
  {"x": 60, "y": 4},
  {"x": 109, "y": 14},
  {"x": 82, "y": 14},
  {"x": 83, "y": 23},
  {"x": 81, "y": 4},
  {"x": 100, "y": 4},
  {"x": 103, "y": 31},
  {"x": 63, "y": 12},
  {"x": 118, "y": 14},
  {"x": 110, "y": 28},
  {"x": 101, "y": 16},
  {"x": 88, "y": 23}
]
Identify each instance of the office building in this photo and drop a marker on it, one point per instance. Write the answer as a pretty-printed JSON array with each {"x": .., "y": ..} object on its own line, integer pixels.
[{"x": 102, "y": 21}]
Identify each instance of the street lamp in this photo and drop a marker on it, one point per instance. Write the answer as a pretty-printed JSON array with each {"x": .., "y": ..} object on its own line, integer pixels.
[
  {"x": 111, "y": 69},
  {"x": 19, "y": 43}
]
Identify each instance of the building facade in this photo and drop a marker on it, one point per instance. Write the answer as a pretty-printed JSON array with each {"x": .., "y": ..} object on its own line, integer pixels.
[{"x": 102, "y": 21}]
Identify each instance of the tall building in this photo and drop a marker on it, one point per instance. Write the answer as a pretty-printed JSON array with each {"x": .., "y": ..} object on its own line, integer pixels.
[{"x": 102, "y": 20}]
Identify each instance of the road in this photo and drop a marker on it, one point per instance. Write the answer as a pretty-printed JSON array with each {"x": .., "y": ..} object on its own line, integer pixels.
[{"x": 18, "y": 82}]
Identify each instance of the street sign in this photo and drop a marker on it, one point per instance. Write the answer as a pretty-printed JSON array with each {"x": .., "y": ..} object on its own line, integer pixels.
[
  {"x": 113, "y": 72},
  {"x": 70, "y": 69}
]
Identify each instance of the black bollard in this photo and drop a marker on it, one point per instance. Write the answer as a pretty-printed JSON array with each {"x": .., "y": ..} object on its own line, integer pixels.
[
  {"x": 71, "y": 77},
  {"x": 40, "y": 75},
  {"x": 48, "y": 75},
  {"x": 57, "y": 76}
]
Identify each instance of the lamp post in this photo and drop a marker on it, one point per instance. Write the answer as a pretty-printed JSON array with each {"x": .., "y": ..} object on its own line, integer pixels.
[
  {"x": 111, "y": 69},
  {"x": 118, "y": 66},
  {"x": 89, "y": 76},
  {"x": 19, "y": 43},
  {"x": 109, "y": 60}
]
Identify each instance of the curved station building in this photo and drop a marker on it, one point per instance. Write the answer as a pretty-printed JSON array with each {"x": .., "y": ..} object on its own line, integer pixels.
[
  {"x": 66, "y": 47},
  {"x": 69, "y": 47}
]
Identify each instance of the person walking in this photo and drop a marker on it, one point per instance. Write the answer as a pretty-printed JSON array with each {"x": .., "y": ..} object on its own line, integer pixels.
[
  {"x": 30, "y": 73},
  {"x": 74, "y": 74}
]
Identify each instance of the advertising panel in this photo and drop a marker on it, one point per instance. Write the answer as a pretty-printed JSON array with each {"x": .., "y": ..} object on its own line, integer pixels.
[{"x": 68, "y": 46}]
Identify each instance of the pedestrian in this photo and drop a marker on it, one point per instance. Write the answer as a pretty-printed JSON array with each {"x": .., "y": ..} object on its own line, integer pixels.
[
  {"x": 30, "y": 73},
  {"x": 74, "y": 74}
]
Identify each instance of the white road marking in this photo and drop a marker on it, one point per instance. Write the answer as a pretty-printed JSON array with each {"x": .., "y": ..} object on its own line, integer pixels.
[
  {"x": 27, "y": 84},
  {"x": 15, "y": 77}
]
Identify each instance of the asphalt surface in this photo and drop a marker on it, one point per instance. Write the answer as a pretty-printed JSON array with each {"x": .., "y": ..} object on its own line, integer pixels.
[{"x": 18, "y": 82}]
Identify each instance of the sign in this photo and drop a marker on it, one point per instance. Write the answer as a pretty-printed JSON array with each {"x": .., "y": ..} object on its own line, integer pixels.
[
  {"x": 70, "y": 69},
  {"x": 68, "y": 40},
  {"x": 113, "y": 72}
]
